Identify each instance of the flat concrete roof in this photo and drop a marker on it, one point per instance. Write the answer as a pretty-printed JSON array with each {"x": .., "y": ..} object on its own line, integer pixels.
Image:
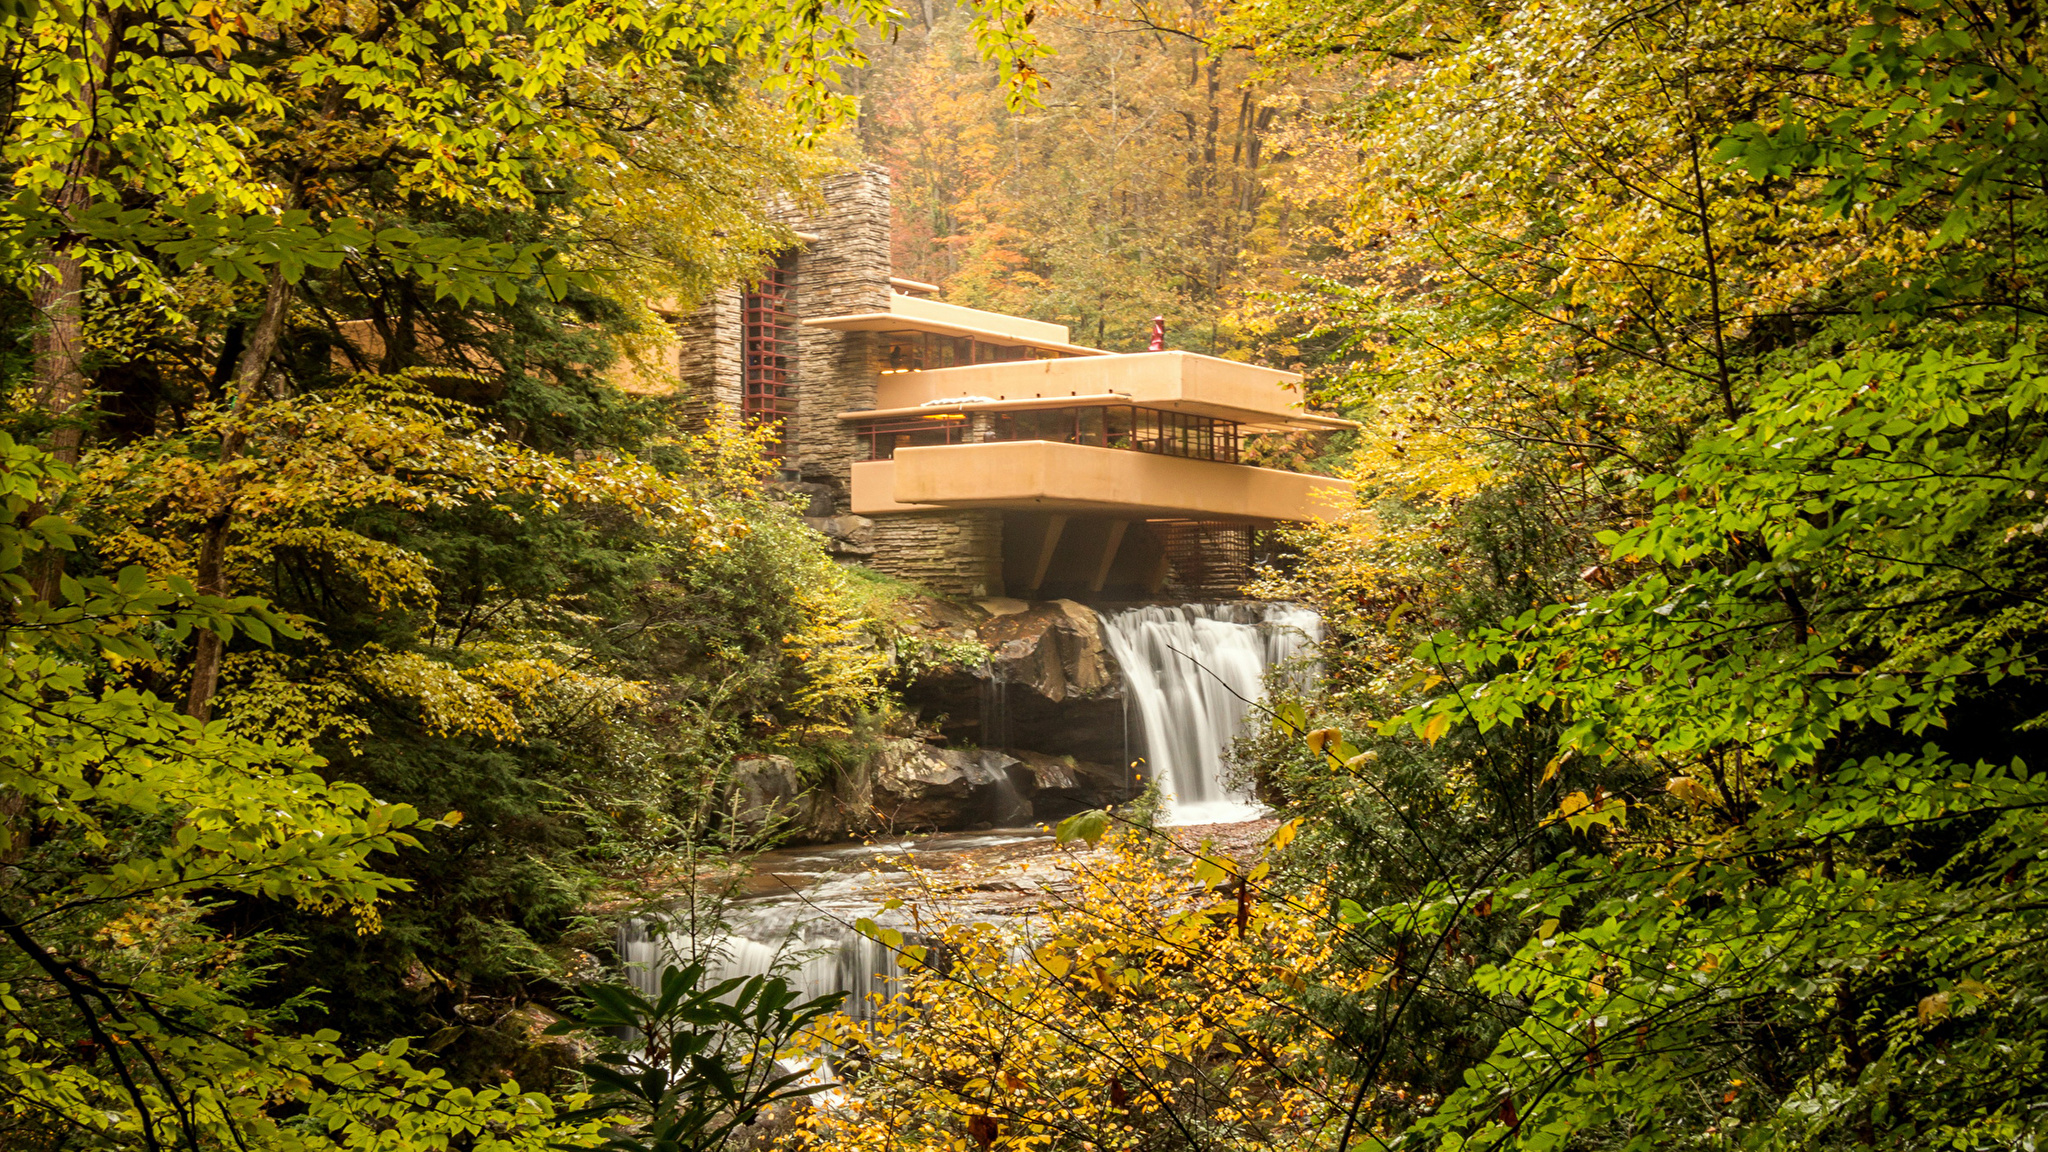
[{"x": 916, "y": 314}]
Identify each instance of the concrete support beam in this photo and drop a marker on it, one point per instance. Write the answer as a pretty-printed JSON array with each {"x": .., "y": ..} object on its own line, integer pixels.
[
  {"x": 1110, "y": 544},
  {"x": 1054, "y": 527},
  {"x": 1155, "y": 583}
]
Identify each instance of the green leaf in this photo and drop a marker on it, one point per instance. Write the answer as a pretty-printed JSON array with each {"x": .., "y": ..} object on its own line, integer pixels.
[{"x": 1089, "y": 826}]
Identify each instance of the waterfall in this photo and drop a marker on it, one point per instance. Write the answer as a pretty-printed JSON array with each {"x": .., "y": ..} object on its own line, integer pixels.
[
  {"x": 995, "y": 706},
  {"x": 1192, "y": 676},
  {"x": 805, "y": 934},
  {"x": 1195, "y": 672},
  {"x": 814, "y": 948}
]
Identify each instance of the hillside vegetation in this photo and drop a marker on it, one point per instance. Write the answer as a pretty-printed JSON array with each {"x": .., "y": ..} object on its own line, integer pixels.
[
  {"x": 376, "y": 636},
  {"x": 1673, "y": 782}
]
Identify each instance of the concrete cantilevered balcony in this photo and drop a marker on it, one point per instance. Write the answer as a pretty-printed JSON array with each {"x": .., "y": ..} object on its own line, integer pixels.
[
  {"x": 915, "y": 314},
  {"x": 1260, "y": 399},
  {"x": 1079, "y": 479}
]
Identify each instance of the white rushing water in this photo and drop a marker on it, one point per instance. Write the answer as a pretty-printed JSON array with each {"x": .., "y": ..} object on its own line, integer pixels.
[
  {"x": 1193, "y": 673},
  {"x": 809, "y": 941},
  {"x": 805, "y": 933}
]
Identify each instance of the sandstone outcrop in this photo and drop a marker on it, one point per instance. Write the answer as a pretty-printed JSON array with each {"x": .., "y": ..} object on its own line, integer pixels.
[
  {"x": 912, "y": 786},
  {"x": 1034, "y": 732},
  {"x": 1050, "y": 684},
  {"x": 846, "y": 535},
  {"x": 1063, "y": 785},
  {"x": 919, "y": 787},
  {"x": 770, "y": 795}
]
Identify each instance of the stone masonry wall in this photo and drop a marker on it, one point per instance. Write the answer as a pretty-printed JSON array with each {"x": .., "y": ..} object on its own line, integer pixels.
[
  {"x": 952, "y": 553},
  {"x": 844, "y": 271},
  {"x": 711, "y": 361}
]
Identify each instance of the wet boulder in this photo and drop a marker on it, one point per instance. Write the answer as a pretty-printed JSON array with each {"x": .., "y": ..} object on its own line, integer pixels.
[
  {"x": 917, "y": 787},
  {"x": 1053, "y": 651},
  {"x": 1063, "y": 785},
  {"x": 1050, "y": 683}
]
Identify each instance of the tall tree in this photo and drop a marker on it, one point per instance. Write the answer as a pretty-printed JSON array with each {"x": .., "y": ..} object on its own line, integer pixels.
[
  {"x": 341, "y": 289},
  {"x": 1138, "y": 187}
]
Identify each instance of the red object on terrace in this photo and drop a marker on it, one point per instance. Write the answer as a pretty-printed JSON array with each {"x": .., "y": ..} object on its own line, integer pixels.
[{"x": 1158, "y": 335}]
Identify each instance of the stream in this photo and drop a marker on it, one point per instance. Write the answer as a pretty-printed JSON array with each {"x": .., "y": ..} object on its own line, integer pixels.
[
  {"x": 796, "y": 912},
  {"x": 1193, "y": 674}
]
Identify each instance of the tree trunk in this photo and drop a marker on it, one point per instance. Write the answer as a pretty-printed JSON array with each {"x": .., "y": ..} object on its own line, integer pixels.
[
  {"x": 58, "y": 297},
  {"x": 60, "y": 341},
  {"x": 60, "y": 379},
  {"x": 1212, "y": 128},
  {"x": 1253, "y": 145},
  {"x": 210, "y": 576}
]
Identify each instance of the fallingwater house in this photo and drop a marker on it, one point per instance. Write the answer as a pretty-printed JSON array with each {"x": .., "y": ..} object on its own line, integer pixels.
[
  {"x": 987, "y": 455},
  {"x": 990, "y": 459}
]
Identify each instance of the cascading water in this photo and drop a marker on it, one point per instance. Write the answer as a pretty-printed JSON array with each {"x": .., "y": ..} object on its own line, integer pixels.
[
  {"x": 805, "y": 931},
  {"x": 995, "y": 706},
  {"x": 1194, "y": 672},
  {"x": 808, "y": 940},
  {"x": 1192, "y": 675}
]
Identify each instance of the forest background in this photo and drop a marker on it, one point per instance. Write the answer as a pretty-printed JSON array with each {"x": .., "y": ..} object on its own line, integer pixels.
[{"x": 369, "y": 645}]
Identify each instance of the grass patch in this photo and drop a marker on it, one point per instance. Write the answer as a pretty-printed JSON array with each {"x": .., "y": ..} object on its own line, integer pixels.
[{"x": 874, "y": 593}]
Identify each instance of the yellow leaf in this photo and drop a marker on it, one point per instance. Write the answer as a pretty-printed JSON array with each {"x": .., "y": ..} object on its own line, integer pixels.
[
  {"x": 1689, "y": 790},
  {"x": 1436, "y": 727},
  {"x": 1284, "y": 835},
  {"x": 1573, "y": 803}
]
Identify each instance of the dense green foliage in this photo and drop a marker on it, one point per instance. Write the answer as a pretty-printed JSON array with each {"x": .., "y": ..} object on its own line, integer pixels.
[
  {"x": 1689, "y": 645},
  {"x": 356, "y": 494},
  {"x": 699, "y": 1061},
  {"x": 376, "y": 633},
  {"x": 127, "y": 1014}
]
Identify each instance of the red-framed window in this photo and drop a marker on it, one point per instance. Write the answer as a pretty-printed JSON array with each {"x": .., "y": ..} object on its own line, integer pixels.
[
  {"x": 769, "y": 319},
  {"x": 921, "y": 351},
  {"x": 1130, "y": 428}
]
